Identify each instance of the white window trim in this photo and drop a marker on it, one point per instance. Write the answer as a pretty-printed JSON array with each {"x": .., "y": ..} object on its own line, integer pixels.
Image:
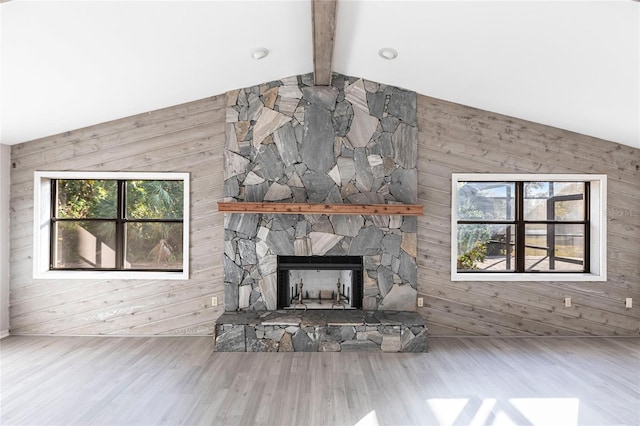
[
  {"x": 42, "y": 224},
  {"x": 598, "y": 228}
]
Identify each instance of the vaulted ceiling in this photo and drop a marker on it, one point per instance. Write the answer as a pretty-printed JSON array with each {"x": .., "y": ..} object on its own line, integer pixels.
[{"x": 70, "y": 64}]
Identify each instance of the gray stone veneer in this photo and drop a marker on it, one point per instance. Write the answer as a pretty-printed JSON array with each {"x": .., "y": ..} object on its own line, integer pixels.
[
  {"x": 321, "y": 331},
  {"x": 352, "y": 142}
]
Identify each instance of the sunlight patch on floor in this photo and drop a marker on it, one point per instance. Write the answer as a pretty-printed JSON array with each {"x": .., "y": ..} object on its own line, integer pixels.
[
  {"x": 484, "y": 413},
  {"x": 510, "y": 412},
  {"x": 370, "y": 419},
  {"x": 447, "y": 410},
  {"x": 548, "y": 411}
]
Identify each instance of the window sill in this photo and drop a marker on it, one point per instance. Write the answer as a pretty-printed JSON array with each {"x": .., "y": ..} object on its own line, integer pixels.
[
  {"x": 526, "y": 277},
  {"x": 111, "y": 275}
]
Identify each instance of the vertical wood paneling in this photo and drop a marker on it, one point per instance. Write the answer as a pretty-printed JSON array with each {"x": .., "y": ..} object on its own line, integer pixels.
[
  {"x": 183, "y": 138},
  {"x": 456, "y": 139}
]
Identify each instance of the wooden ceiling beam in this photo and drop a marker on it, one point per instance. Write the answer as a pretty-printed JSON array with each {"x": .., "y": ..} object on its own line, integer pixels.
[{"x": 323, "y": 15}]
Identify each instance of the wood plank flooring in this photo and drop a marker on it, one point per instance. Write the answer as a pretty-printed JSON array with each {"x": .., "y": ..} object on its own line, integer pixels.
[{"x": 180, "y": 380}]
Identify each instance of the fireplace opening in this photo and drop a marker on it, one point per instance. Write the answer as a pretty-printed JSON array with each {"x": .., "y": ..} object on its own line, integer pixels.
[{"x": 320, "y": 282}]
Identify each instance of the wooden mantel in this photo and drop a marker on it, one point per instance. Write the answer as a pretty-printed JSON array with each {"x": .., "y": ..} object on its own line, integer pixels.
[{"x": 304, "y": 208}]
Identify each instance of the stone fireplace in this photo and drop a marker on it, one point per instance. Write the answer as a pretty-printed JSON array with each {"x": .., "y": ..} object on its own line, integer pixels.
[{"x": 354, "y": 142}]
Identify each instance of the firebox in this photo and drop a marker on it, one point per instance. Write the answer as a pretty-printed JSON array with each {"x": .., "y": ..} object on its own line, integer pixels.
[{"x": 320, "y": 282}]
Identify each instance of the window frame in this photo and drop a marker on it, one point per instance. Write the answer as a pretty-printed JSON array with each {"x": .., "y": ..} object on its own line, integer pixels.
[
  {"x": 595, "y": 255},
  {"x": 43, "y": 205}
]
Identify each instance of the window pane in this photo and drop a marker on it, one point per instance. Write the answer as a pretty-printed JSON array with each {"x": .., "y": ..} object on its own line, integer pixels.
[
  {"x": 569, "y": 244},
  {"x": 87, "y": 199},
  {"x": 83, "y": 244},
  {"x": 554, "y": 200},
  {"x": 154, "y": 246},
  {"x": 486, "y": 200},
  {"x": 569, "y": 209},
  {"x": 484, "y": 247},
  {"x": 554, "y": 248},
  {"x": 155, "y": 199}
]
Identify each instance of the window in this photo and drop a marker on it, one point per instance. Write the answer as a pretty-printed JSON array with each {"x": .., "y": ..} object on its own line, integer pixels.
[
  {"x": 528, "y": 227},
  {"x": 111, "y": 225}
]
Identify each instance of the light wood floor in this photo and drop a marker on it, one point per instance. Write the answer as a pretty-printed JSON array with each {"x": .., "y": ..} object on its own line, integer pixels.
[{"x": 465, "y": 381}]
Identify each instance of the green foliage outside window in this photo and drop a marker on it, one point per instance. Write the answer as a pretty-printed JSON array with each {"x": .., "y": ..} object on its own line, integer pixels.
[
  {"x": 82, "y": 199},
  {"x": 469, "y": 259},
  {"x": 472, "y": 239},
  {"x": 155, "y": 242},
  {"x": 153, "y": 238}
]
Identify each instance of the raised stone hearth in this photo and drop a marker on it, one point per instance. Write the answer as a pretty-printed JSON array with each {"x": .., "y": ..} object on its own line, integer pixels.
[{"x": 321, "y": 331}]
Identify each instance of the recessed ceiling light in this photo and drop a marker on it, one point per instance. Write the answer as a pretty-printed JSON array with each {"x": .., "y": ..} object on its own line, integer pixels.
[
  {"x": 259, "y": 53},
  {"x": 388, "y": 53}
]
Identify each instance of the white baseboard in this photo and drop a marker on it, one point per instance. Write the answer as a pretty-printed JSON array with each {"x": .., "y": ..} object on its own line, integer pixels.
[{"x": 4, "y": 333}]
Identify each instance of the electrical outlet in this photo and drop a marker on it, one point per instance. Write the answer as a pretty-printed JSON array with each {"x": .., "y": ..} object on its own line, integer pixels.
[
  {"x": 214, "y": 301},
  {"x": 628, "y": 303},
  {"x": 567, "y": 302},
  {"x": 420, "y": 302}
]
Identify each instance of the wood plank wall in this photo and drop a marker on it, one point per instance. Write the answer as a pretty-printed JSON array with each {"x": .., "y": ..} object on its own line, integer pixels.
[
  {"x": 452, "y": 139},
  {"x": 183, "y": 138},
  {"x": 456, "y": 139}
]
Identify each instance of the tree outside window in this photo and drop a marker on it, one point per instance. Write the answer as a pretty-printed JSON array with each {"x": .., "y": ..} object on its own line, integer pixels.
[{"x": 108, "y": 224}]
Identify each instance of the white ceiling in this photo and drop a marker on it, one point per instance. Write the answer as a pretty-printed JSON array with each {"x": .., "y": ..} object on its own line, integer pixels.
[{"x": 70, "y": 64}]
